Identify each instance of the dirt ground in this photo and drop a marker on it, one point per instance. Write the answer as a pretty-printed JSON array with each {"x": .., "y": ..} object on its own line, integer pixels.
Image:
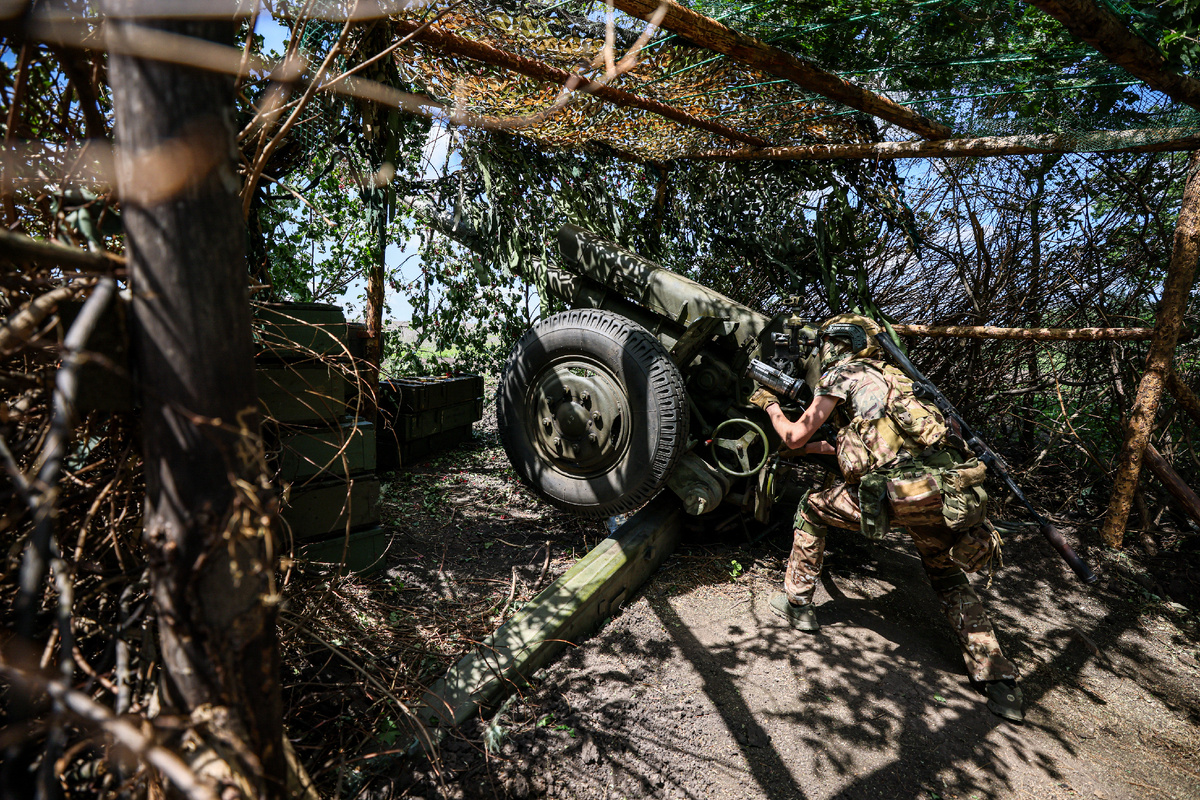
[{"x": 696, "y": 691}]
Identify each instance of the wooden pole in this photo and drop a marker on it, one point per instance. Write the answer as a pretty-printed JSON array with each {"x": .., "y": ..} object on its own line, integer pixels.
[
  {"x": 709, "y": 33},
  {"x": 448, "y": 43},
  {"x": 1105, "y": 31},
  {"x": 1039, "y": 334},
  {"x": 1184, "y": 396},
  {"x": 1180, "y": 275},
  {"x": 1169, "y": 478},
  {"x": 208, "y": 515},
  {"x": 1131, "y": 141},
  {"x": 17, "y": 250}
]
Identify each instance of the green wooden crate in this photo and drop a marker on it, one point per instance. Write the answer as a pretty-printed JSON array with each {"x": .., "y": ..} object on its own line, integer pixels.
[
  {"x": 436, "y": 420},
  {"x": 416, "y": 450},
  {"x": 420, "y": 393},
  {"x": 362, "y": 551},
  {"x": 317, "y": 510},
  {"x": 297, "y": 330},
  {"x": 333, "y": 451},
  {"x": 291, "y": 393},
  {"x": 393, "y": 453}
]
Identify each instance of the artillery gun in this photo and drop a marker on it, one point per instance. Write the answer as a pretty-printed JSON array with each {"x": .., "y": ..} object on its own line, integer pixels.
[{"x": 641, "y": 385}]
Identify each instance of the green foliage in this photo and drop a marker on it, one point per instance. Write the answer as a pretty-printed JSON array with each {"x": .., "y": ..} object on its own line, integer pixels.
[
  {"x": 986, "y": 67},
  {"x": 1181, "y": 41}
]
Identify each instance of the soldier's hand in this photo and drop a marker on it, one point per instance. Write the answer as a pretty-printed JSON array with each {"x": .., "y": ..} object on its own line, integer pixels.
[{"x": 763, "y": 397}]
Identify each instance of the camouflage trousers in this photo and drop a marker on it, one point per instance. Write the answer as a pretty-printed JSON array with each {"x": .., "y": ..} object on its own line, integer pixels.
[{"x": 838, "y": 507}]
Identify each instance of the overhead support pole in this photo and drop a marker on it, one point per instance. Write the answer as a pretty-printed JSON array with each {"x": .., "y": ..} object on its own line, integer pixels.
[
  {"x": 1180, "y": 275},
  {"x": 448, "y": 43},
  {"x": 1105, "y": 31},
  {"x": 709, "y": 33},
  {"x": 1035, "y": 334},
  {"x": 1118, "y": 142}
]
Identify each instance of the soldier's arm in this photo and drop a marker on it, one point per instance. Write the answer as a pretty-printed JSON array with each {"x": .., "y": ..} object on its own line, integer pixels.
[{"x": 796, "y": 434}]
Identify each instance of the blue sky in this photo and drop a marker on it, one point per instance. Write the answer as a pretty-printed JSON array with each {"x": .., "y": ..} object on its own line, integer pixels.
[{"x": 401, "y": 258}]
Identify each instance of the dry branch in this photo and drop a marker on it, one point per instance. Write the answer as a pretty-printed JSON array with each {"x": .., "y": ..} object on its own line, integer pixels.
[
  {"x": 1180, "y": 276},
  {"x": 1038, "y": 334},
  {"x": 1130, "y": 141},
  {"x": 1104, "y": 31},
  {"x": 42, "y": 546},
  {"x": 1184, "y": 396},
  {"x": 17, "y": 248},
  {"x": 123, "y": 733},
  {"x": 448, "y": 43},
  {"x": 709, "y": 33},
  {"x": 18, "y": 328},
  {"x": 1169, "y": 478}
]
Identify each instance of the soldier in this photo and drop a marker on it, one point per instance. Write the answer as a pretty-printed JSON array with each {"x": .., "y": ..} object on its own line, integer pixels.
[{"x": 901, "y": 464}]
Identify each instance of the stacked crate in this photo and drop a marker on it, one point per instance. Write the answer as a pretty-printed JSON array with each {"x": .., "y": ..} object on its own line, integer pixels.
[
  {"x": 422, "y": 415},
  {"x": 324, "y": 456}
]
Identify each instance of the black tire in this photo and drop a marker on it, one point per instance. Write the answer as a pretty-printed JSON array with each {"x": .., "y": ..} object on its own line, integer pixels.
[{"x": 592, "y": 412}]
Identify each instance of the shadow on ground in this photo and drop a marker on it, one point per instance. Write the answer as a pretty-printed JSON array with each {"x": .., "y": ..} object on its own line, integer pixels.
[{"x": 697, "y": 691}]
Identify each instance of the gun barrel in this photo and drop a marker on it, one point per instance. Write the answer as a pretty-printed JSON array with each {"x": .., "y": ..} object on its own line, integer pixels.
[{"x": 662, "y": 291}]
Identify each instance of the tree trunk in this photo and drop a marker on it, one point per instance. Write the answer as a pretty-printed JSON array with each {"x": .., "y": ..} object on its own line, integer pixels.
[
  {"x": 1178, "y": 286},
  {"x": 369, "y": 404},
  {"x": 208, "y": 512}
]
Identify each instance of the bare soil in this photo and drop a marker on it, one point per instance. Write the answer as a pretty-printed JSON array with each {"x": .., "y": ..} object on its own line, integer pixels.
[{"x": 695, "y": 690}]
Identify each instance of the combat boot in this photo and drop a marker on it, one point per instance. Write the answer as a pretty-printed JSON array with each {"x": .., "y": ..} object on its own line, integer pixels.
[
  {"x": 802, "y": 617},
  {"x": 1005, "y": 700}
]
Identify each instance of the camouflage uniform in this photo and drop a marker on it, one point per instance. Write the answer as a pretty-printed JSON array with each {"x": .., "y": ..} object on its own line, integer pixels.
[{"x": 867, "y": 392}]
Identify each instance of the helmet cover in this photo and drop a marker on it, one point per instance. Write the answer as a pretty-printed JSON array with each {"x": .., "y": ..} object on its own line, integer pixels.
[{"x": 847, "y": 336}]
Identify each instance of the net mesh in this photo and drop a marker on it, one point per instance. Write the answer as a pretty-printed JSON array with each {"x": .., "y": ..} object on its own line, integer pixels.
[{"x": 982, "y": 68}]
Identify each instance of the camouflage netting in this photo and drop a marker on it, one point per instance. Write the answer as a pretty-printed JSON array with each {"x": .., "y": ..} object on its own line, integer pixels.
[{"x": 990, "y": 71}]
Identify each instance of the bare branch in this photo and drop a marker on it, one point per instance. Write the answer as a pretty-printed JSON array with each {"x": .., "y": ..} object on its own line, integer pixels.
[
  {"x": 41, "y": 546},
  {"x": 123, "y": 733}
]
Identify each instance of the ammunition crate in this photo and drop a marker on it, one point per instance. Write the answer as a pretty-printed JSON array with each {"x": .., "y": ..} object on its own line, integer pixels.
[
  {"x": 357, "y": 338},
  {"x": 362, "y": 551},
  {"x": 290, "y": 330},
  {"x": 413, "y": 395},
  {"x": 332, "y": 450},
  {"x": 408, "y": 427},
  {"x": 291, "y": 393},
  {"x": 420, "y": 416},
  {"x": 417, "y": 450},
  {"x": 314, "y": 511}
]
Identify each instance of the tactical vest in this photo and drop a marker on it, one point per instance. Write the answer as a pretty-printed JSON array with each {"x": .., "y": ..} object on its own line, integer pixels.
[
  {"x": 905, "y": 477},
  {"x": 907, "y": 426}
]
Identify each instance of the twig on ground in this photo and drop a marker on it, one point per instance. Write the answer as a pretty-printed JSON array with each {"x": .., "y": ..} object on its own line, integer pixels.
[
  {"x": 512, "y": 592},
  {"x": 545, "y": 567}
]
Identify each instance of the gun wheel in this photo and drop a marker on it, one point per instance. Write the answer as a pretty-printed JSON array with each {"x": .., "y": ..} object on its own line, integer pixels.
[{"x": 592, "y": 412}]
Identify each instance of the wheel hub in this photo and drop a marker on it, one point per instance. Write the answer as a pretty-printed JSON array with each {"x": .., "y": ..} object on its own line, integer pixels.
[{"x": 579, "y": 414}]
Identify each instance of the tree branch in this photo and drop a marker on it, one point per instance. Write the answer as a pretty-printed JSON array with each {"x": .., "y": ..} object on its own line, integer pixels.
[{"x": 123, "y": 733}]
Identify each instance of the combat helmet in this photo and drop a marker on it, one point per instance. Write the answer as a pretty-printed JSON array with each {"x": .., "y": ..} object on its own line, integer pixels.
[{"x": 847, "y": 336}]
